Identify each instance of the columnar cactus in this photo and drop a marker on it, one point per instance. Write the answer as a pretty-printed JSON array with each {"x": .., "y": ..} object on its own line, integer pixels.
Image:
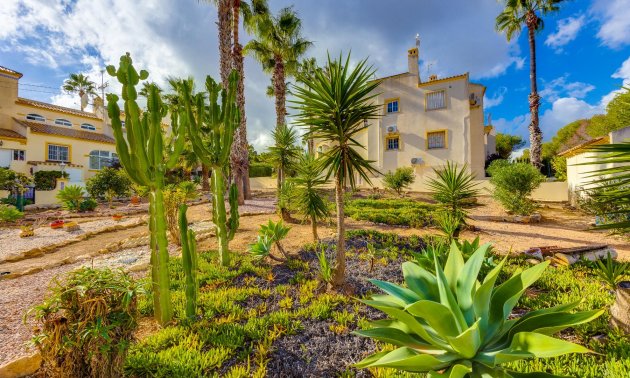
[
  {"x": 211, "y": 130},
  {"x": 189, "y": 259},
  {"x": 146, "y": 157}
]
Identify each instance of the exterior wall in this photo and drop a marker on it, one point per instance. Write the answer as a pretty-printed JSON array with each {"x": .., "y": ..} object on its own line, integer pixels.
[{"x": 9, "y": 144}]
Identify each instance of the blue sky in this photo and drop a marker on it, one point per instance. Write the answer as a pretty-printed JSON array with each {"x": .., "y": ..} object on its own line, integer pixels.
[{"x": 583, "y": 53}]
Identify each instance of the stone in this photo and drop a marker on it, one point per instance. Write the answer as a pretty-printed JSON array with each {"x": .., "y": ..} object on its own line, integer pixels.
[
  {"x": 620, "y": 310},
  {"x": 21, "y": 367},
  {"x": 533, "y": 261},
  {"x": 535, "y": 218}
]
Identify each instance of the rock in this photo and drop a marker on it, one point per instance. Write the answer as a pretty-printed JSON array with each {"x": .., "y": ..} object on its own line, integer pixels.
[
  {"x": 31, "y": 207},
  {"x": 21, "y": 367},
  {"x": 620, "y": 310},
  {"x": 533, "y": 261},
  {"x": 535, "y": 218}
]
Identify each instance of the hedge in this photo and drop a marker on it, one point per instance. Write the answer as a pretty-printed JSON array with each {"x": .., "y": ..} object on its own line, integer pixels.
[
  {"x": 47, "y": 180},
  {"x": 260, "y": 170}
]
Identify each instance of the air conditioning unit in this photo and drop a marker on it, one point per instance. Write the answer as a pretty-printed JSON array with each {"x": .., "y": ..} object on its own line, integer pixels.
[
  {"x": 392, "y": 129},
  {"x": 416, "y": 161}
]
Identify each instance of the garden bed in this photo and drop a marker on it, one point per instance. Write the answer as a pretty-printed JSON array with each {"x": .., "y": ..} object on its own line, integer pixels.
[{"x": 395, "y": 212}]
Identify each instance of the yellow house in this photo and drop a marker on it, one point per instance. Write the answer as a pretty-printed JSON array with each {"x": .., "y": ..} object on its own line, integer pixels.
[
  {"x": 39, "y": 136},
  {"x": 426, "y": 123}
]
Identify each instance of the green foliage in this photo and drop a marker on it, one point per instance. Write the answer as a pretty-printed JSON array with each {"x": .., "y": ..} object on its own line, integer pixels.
[
  {"x": 617, "y": 116},
  {"x": 596, "y": 201},
  {"x": 285, "y": 151},
  {"x": 260, "y": 170},
  {"x": 211, "y": 127},
  {"x": 88, "y": 204},
  {"x": 559, "y": 165},
  {"x": 513, "y": 185},
  {"x": 47, "y": 180},
  {"x": 71, "y": 197},
  {"x": 189, "y": 262},
  {"x": 270, "y": 234},
  {"x": 189, "y": 188},
  {"x": 395, "y": 212},
  {"x": 325, "y": 267},
  {"x": 455, "y": 191},
  {"x": 506, "y": 144},
  {"x": 108, "y": 183},
  {"x": 400, "y": 179},
  {"x": 310, "y": 199},
  {"x": 85, "y": 325},
  {"x": 8, "y": 213},
  {"x": 449, "y": 223},
  {"x": 146, "y": 155},
  {"x": 612, "y": 272},
  {"x": 14, "y": 181},
  {"x": 613, "y": 188},
  {"x": 451, "y": 321}
]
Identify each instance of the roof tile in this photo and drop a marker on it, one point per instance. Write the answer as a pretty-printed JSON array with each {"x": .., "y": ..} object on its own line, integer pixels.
[
  {"x": 66, "y": 132},
  {"x": 55, "y": 108},
  {"x": 11, "y": 134}
]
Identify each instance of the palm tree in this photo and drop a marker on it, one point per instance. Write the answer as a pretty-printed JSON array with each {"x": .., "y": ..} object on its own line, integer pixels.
[
  {"x": 511, "y": 20},
  {"x": 309, "y": 196},
  {"x": 81, "y": 84},
  {"x": 335, "y": 106},
  {"x": 278, "y": 47},
  {"x": 307, "y": 69},
  {"x": 284, "y": 154}
]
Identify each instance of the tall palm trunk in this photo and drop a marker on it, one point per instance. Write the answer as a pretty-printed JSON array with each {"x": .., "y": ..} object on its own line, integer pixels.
[
  {"x": 225, "y": 40},
  {"x": 535, "y": 135},
  {"x": 239, "y": 156},
  {"x": 280, "y": 91},
  {"x": 340, "y": 266}
]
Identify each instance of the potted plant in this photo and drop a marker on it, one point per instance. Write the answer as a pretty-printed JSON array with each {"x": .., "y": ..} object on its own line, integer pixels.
[
  {"x": 71, "y": 226},
  {"x": 26, "y": 231}
]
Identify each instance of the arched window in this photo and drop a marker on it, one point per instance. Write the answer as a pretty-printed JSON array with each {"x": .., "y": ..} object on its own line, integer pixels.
[
  {"x": 63, "y": 122},
  {"x": 101, "y": 159},
  {"x": 35, "y": 117},
  {"x": 88, "y": 126}
]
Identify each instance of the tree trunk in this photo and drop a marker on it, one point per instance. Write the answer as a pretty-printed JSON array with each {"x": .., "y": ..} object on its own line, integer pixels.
[
  {"x": 280, "y": 89},
  {"x": 340, "y": 266},
  {"x": 314, "y": 228},
  {"x": 535, "y": 135},
  {"x": 225, "y": 40},
  {"x": 205, "y": 176}
]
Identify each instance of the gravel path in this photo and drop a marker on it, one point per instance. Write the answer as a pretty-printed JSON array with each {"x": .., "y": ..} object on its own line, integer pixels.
[{"x": 11, "y": 242}]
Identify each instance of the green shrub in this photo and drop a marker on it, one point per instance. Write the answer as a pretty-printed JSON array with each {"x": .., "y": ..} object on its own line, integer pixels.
[
  {"x": 47, "y": 180},
  {"x": 9, "y": 213},
  {"x": 88, "y": 204},
  {"x": 71, "y": 197},
  {"x": 611, "y": 271},
  {"x": 109, "y": 183},
  {"x": 270, "y": 234},
  {"x": 400, "y": 179},
  {"x": 86, "y": 324},
  {"x": 559, "y": 165},
  {"x": 397, "y": 212},
  {"x": 513, "y": 185},
  {"x": 325, "y": 267},
  {"x": 260, "y": 170},
  {"x": 452, "y": 322}
]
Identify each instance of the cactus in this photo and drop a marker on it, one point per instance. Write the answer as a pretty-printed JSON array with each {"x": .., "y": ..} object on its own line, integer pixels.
[
  {"x": 146, "y": 157},
  {"x": 211, "y": 130},
  {"x": 189, "y": 258}
]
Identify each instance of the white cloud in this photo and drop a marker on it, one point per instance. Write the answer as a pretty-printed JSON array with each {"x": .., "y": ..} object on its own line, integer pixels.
[
  {"x": 614, "y": 17},
  {"x": 568, "y": 29},
  {"x": 560, "y": 87},
  {"x": 496, "y": 99}
]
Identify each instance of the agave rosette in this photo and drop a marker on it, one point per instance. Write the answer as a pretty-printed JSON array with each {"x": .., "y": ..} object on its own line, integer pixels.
[{"x": 451, "y": 325}]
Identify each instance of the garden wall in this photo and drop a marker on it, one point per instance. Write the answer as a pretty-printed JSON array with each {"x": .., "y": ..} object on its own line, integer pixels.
[{"x": 556, "y": 191}]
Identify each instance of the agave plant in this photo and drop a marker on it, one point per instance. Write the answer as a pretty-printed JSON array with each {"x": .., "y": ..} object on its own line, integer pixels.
[{"x": 451, "y": 325}]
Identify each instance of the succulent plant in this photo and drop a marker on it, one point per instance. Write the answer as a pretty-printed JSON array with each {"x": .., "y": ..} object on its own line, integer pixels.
[
  {"x": 450, "y": 324},
  {"x": 146, "y": 157},
  {"x": 189, "y": 260}
]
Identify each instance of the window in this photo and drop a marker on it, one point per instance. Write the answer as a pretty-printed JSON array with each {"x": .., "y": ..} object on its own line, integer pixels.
[
  {"x": 58, "y": 153},
  {"x": 101, "y": 159},
  {"x": 88, "y": 126},
  {"x": 436, "y": 139},
  {"x": 19, "y": 155},
  {"x": 392, "y": 106},
  {"x": 63, "y": 122},
  {"x": 436, "y": 100},
  {"x": 392, "y": 143},
  {"x": 35, "y": 117}
]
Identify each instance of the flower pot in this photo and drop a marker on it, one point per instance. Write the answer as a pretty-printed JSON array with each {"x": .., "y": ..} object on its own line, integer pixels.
[
  {"x": 71, "y": 226},
  {"x": 135, "y": 200},
  {"x": 56, "y": 224}
]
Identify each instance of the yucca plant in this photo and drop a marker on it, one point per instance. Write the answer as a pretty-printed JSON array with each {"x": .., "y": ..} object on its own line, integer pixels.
[
  {"x": 451, "y": 325},
  {"x": 325, "y": 268},
  {"x": 612, "y": 272},
  {"x": 270, "y": 234},
  {"x": 454, "y": 189},
  {"x": 71, "y": 197},
  {"x": 309, "y": 197}
]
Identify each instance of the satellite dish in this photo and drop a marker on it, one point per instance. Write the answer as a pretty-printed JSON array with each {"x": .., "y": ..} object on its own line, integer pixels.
[{"x": 84, "y": 100}]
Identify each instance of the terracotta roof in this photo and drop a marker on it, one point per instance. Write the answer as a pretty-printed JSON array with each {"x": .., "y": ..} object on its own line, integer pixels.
[
  {"x": 429, "y": 82},
  {"x": 11, "y": 134},
  {"x": 10, "y": 71},
  {"x": 66, "y": 132},
  {"x": 54, "y": 108},
  {"x": 577, "y": 149}
]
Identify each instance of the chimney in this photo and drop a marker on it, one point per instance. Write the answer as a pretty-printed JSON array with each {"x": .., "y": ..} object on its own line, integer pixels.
[{"x": 412, "y": 58}]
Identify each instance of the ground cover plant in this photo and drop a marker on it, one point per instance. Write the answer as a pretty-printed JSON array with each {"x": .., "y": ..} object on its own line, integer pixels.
[{"x": 398, "y": 212}]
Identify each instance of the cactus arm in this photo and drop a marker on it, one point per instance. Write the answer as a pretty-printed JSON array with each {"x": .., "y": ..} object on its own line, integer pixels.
[
  {"x": 189, "y": 260},
  {"x": 161, "y": 281}
]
